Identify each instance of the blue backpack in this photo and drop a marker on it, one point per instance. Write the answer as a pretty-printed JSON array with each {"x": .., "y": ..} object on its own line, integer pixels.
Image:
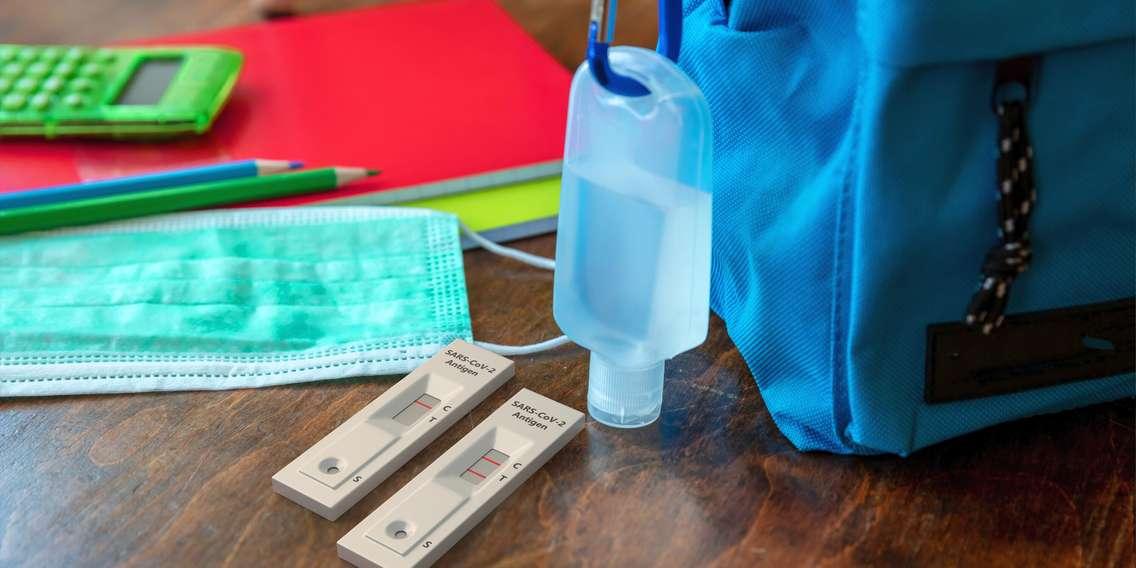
[{"x": 924, "y": 212}]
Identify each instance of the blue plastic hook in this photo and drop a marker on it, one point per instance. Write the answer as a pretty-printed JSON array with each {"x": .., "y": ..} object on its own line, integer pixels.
[{"x": 600, "y": 37}]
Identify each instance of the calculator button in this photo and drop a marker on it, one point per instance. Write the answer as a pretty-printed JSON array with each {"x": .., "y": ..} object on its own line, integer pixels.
[
  {"x": 38, "y": 69},
  {"x": 25, "y": 85},
  {"x": 40, "y": 101},
  {"x": 81, "y": 84},
  {"x": 13, "y": 102},
  {"x": 73, "y": 54},
  {"x": 91, "y": 69},
  {"x": 5, "y": 84},
  {"x": 50, "y": 54},
  {"x": 53, "y": 84},
  {"x": 7, "y": 53},
  {"x": 74, "y": 100},
  {"x": 27, "y": 54},
  {"x": 12, "y": 69},
  {"x": 65, "y": 69}
]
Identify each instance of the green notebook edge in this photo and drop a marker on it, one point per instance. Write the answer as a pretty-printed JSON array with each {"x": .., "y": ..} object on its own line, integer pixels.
[
  {"x": 499, "y": 207},
  {"x": 503, "y": 205}
]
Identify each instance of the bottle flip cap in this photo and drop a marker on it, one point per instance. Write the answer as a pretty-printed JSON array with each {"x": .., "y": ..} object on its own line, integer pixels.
[{"x": 624, "y": 397}]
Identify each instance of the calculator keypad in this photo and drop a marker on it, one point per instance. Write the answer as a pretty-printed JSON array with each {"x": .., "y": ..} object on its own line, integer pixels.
[{"x": 37, "y": 79}]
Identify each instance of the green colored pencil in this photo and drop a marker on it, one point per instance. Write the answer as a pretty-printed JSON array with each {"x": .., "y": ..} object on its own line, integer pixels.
[{"x": 127, "y": 206}]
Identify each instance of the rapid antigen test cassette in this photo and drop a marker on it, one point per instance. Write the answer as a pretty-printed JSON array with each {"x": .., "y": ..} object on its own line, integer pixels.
[
  {"x": 366, "y": 449},
  {"x": 439, "y": 506}
]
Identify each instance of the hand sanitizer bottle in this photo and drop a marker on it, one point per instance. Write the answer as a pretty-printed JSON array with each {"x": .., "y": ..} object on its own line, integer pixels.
[{"x": 632, "y": 281}]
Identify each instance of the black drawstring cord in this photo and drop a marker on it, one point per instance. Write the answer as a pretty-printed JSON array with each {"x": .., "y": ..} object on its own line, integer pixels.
[{"x": 1017, "y": 195}]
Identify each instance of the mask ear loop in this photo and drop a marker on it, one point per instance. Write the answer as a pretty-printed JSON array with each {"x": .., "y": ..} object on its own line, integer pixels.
[
  {"x": 531, "y": 260},
  {"x": 508, "y": 252},
  {"x": 601, "y": 31},
  {"x": 524, "y": 349}
]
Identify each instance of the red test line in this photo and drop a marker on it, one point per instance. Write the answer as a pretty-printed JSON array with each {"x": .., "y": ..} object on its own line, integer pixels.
[
  {"x": 475, "y": 473},
  {"x": 490, "y": 461},
  {"x": 420, "y": 403}
]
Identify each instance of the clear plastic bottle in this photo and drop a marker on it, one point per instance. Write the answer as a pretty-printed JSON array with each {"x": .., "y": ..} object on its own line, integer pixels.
[{"x": 632, "y": 280}]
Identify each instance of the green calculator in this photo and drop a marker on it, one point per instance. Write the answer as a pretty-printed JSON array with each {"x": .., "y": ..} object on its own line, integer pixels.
[{"x": 113, "y": 92}]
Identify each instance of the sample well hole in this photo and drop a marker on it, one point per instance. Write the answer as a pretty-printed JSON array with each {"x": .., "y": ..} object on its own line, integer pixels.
[
  {"x": 331, "y": 466},
  {"x": 400, "y": 530}
]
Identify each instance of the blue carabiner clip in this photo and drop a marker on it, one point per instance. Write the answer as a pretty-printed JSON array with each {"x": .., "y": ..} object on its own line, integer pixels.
[{"x": 600, "y": 36}]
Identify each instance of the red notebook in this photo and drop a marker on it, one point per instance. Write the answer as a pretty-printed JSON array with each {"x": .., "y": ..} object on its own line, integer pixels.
[{"x": 424, "y": 91}]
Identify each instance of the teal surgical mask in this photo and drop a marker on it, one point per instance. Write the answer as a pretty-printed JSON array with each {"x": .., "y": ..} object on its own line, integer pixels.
[{"x": 228, "y": 299}]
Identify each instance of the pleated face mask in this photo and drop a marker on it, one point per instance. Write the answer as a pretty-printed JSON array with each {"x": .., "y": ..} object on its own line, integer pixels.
[{"x": 228, "y": 299}]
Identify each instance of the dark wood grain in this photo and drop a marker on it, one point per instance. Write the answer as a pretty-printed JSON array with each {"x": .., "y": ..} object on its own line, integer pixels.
[{"x": 183, "y": 478}]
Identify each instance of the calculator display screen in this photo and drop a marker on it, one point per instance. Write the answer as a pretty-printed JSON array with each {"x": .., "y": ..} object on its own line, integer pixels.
[{"x": 149, "y": 82}]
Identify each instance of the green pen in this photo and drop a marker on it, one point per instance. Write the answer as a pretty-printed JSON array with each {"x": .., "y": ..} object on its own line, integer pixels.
[{"x": 127, "y": 206}]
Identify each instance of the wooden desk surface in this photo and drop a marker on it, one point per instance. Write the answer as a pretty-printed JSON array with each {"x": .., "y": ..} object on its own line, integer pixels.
[{"x": 183, "y": 478}]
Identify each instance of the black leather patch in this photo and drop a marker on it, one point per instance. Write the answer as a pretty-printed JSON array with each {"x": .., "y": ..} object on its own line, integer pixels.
[{"x": 1031, "y": 350}]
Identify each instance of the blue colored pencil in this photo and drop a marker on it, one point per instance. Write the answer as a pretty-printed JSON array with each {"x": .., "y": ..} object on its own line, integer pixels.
[{"x": 144, "y": 182}]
